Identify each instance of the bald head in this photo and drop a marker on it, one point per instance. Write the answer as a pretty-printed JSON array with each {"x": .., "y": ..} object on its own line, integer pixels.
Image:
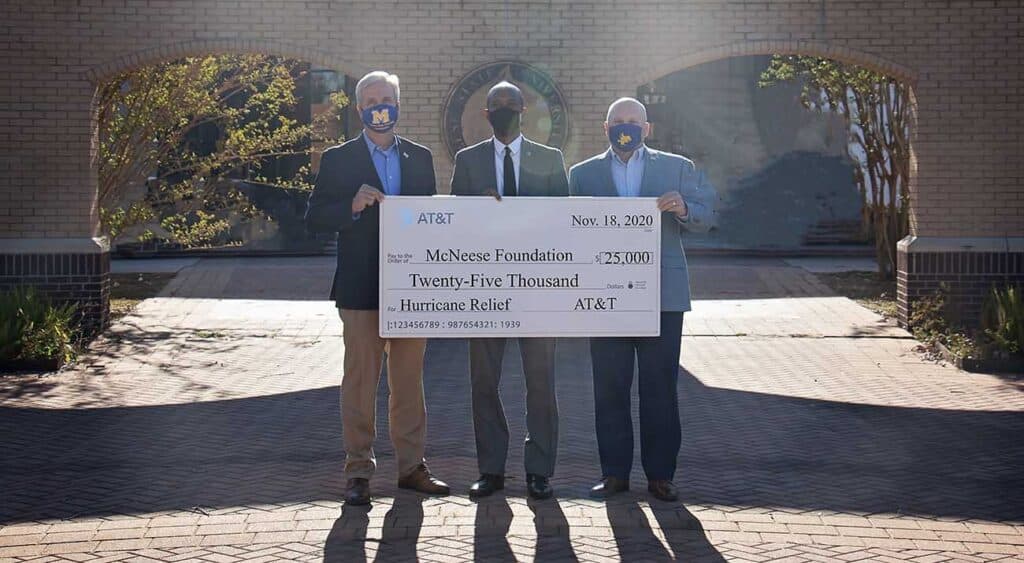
[
  {"x": 626, "y": 126},
  {"x": 626, "y": 110},
  {"x": 505, "y": 94}
]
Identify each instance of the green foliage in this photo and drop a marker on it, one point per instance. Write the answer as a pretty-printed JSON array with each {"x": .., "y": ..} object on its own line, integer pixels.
[
  {"x": 196, "y": 229},
  {"x": 115, "y": 220},
  {"x": 876, "y": 109},
  {"x": 927, "y": 316},
  {"x": 32, "y": 328},
  {"x": 151, "y": 121},
  {"x": 1002, "y": 318},
  {"x": 928, "y": 319}
]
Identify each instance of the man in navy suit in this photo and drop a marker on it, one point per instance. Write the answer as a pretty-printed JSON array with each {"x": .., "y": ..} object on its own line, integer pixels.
[
  {"x": 353, "y": 178},
  {"x": 683, "y": 195}
]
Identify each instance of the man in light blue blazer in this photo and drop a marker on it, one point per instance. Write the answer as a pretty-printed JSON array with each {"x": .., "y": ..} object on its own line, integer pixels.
[{"x": 686, "y": 200}]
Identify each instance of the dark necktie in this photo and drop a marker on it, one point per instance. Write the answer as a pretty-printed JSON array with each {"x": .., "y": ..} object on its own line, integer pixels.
[{"x": 510, "y": 175}]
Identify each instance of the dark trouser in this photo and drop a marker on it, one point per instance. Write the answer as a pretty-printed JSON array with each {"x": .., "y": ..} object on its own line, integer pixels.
[
  {"x": 658, "y": 367},
  {"x": 489, "y": 423}
]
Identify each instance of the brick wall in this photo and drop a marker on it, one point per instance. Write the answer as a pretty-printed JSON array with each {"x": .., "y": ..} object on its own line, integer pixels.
[
  {"x": 963, "y": 57},
  {"x": 965, "y": 276},
  {"x": 70, "y": 275}
]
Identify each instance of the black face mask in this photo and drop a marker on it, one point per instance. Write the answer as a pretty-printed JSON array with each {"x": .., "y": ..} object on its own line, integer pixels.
[{"x": 504, "y": 121}]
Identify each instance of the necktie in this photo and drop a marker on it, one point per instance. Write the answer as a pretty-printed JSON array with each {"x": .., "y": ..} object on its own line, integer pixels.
[{"x": 510, "y": 175}]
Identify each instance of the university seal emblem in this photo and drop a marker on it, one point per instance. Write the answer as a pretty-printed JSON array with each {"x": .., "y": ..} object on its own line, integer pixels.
[{"x": 546, "y": 119}]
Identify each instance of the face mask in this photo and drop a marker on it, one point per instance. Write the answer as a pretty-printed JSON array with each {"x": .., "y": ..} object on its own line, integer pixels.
[
  {"x": 626, "y": 137},
  {"x": 503, "y": 120},
  {"x": 381, "y": 117}
]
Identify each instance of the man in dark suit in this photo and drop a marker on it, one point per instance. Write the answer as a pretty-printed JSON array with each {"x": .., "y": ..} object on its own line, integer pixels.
[
  {"x": 353, "y": 178},
  {"x": 510, "y": 165},
  {"x": 683, "y": 195}
]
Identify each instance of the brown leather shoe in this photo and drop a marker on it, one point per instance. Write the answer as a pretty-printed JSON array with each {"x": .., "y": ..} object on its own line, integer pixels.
[
  {"x": 608, "y": 486},
  {"x": 422, "y": 481},
  {"x": 663, "y": 490},
  {"x": 357, "y": 492}
]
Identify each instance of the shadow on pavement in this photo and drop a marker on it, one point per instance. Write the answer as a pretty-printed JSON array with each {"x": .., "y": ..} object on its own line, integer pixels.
[
  {"x": 347, "y": 538},
  {"x": 684, "y": 539},
  {"x": 552, "y": 528},
  {"x": 739, "y": 448},
  {"x": 347, "y": 541},
  {"x": 490, "y": 530}
]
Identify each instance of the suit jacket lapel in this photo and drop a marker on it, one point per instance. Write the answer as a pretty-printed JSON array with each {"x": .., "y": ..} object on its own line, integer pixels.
[
  {"x": 406, "y": 187},
  {"x": 366, "y": 164},
  {"x": 526, "y": 176},
  {"x": 606, "y": 187},
  {"x": 489, "y": 170}
]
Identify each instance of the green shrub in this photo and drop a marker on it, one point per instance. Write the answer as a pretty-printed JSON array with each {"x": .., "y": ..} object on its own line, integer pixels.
[
  {"x": 928, "y": 318},
  {"x": 1002, "y": 318},
  {"x": 33, "y": 328}
]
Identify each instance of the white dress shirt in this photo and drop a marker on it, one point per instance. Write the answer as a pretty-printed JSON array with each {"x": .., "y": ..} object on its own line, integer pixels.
[{"x": 499, "y": 161}]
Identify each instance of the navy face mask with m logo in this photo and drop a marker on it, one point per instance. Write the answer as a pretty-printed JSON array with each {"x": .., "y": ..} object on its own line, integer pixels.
[{"x": 381, "y": 117}]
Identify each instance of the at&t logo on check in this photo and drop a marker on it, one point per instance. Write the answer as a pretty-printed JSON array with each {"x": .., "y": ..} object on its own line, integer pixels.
[{"x": 410, "y": 217}]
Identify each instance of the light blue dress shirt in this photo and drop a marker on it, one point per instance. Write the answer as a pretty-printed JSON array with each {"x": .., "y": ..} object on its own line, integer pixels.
[
  {"x": 389, "y": 169},
  {"x": 628, "y": 175}
]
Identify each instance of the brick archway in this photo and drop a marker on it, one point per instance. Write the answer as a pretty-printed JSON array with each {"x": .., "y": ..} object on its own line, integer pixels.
[
  {"x": 95, "y": 307},
  {"x": 99, "y": 73},
  {"x": 322, "y": 58},
  {"x": 780, "y": 47},
  {"x": 708, "y": 106},
  {"x": 849, "y": 55}
]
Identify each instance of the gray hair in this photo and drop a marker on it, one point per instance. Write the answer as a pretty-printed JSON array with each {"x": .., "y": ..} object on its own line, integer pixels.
[
  {"x": 623, "y": 102},
  {"x": 372, "y": 78}
]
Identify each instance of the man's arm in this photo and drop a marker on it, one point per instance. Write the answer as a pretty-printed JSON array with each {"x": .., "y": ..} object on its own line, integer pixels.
[
  {"x": 558, "y": 182},
  {"x": 460, "y": 175},
  {"x": 699, "y": 196},
  {"x": 431, "y": 178},
  {"x": 329, "y": 208},
  {"x": 574, "y": 181}
]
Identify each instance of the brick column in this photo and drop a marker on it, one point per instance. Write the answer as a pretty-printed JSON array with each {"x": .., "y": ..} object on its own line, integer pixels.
[
  {"x": 69, "y": 270},
  {"x": 968, "y": 267}
]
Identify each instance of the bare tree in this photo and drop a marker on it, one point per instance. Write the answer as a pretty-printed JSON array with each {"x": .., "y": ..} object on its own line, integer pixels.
[{"x": 877, "y": 109}]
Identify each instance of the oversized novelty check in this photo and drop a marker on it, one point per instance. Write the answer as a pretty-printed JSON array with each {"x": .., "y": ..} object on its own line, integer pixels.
[{"x": 478, "y": 267}]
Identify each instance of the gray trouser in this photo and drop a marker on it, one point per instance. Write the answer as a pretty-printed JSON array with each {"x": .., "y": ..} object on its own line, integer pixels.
[{"x": 489, "y": 423}]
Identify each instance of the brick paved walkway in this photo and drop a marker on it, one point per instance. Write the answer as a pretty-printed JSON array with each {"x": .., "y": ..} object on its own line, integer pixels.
[{"x": 205, "y": 426}]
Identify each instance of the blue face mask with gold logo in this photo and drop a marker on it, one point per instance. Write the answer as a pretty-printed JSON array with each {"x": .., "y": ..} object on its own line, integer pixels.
[
  {"x": 381, "y": 117},
  {"x": 626, "y": 137}
]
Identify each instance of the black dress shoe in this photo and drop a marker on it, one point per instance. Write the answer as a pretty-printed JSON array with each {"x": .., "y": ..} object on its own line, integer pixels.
[
  {"x": 357, "y": 492},
  {"x": 486, "y": 485},
  {"x": 538, "y": 487},
  {"x": 608, "y": 486},
  {"x": 663, "y": 490}
]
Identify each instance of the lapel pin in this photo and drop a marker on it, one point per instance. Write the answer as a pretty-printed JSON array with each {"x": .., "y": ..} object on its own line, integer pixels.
[{"x": 405, "y": 154}]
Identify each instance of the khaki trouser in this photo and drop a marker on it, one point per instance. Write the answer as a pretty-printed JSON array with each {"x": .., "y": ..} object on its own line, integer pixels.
[{"x": 407, "y": 421}]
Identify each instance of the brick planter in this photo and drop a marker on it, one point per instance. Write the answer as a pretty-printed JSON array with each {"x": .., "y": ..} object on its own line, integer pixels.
[
  {"x": 968, "y": 267},
  {"x": 1011, "y": 365},
  {"x": 66, "y": 270}
]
